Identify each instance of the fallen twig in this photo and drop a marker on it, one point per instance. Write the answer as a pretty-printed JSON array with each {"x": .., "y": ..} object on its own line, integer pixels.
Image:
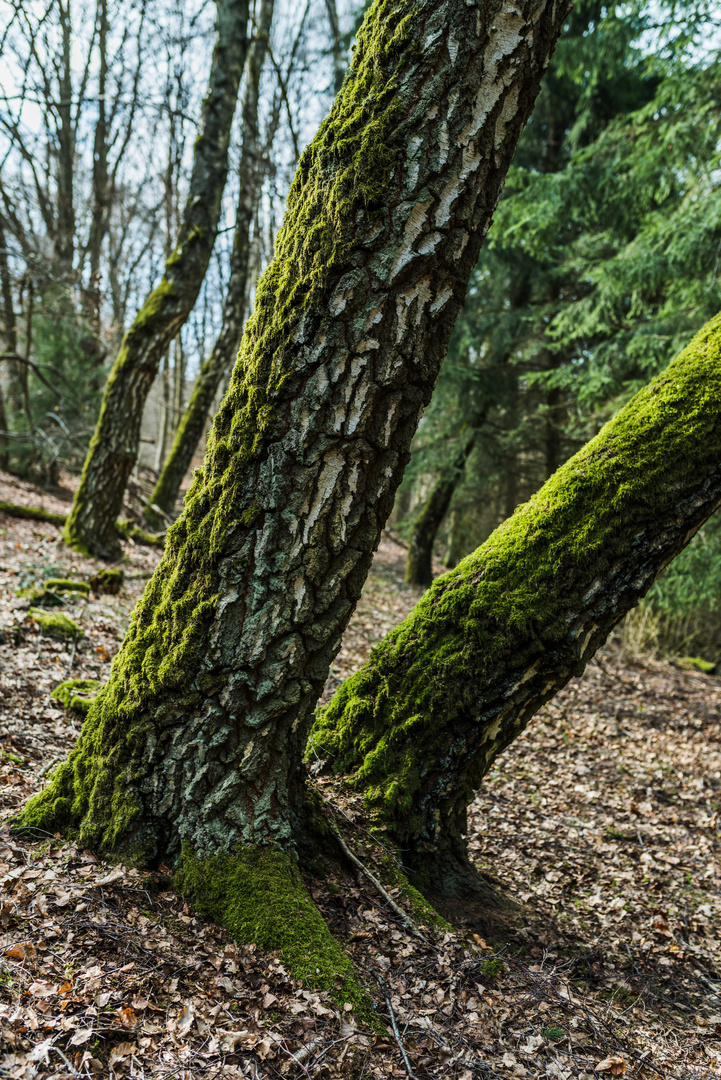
[{"x": 396, "y": 1033}]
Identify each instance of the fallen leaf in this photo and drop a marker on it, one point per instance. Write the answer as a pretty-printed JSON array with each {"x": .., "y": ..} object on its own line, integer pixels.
[
  {"x": 122, "y": 1050},
  {"x": 81, "y": 1036},
  {"x": 615, "y": 1065}
]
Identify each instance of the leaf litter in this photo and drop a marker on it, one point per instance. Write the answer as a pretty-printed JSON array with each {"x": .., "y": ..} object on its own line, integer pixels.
[{"x": 602, "y": 819}]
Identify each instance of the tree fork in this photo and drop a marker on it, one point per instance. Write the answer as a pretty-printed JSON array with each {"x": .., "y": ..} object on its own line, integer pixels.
[
  {"x": 193, "y": 750},
  {"x": 114, "y": 446},
  {"x": 418, "y": 727}
]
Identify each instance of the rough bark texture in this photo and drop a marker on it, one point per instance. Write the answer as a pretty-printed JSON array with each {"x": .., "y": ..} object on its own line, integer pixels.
[
  {"x": 419, "y": 570},
  {"x": 418, "y": 727},
  {"x": 114, "y": 446},
  {"x": 196, "y": 742},
  {"x": 212, "y": 371}
]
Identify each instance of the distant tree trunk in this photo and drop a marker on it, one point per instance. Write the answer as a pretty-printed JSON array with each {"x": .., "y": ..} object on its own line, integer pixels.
[
  {"x": 193, "y": 750},
  {"x": 14, "y": 374},
  {"x": 192, "y": 424},
  {"x": 114, "y": 446},
  {"x": 337, "y": 45},
  {"x": 65, "y": 221},
  {"x": 420, "y": 725},
  {"x": 101, "y": 190},
  {"x": 419, "y": 569}
]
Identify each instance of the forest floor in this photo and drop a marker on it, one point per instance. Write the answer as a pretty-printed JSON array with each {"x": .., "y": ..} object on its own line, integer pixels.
[{"x": 601, "y": 820}]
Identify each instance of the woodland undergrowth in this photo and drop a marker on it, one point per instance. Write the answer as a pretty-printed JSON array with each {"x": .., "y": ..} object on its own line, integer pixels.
[{"x": 602, "y": 820}]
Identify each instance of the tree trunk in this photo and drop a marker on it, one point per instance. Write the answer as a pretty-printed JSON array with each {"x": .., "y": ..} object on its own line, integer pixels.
[
  {"x": 425, "y": 528},
  {"x": 490, "y": 642},
  {"x": 336, "y": 45},
  {"x": 114, "y": 446},
  {"x": 14, "y": 374},
  {"x": 213, "y": 370},
  {"x": 64, "y": 239},
  {"x": 193, "y": 751}
]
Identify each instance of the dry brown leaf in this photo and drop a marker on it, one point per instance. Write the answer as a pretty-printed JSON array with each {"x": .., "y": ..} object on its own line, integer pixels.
[
  {"x": 122, "y": 1050},
  {"x": 615, "y": 1065}
]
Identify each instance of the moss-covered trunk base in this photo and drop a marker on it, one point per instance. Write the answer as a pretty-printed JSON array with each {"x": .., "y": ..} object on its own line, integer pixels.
[{"x": 259, "y": 896}]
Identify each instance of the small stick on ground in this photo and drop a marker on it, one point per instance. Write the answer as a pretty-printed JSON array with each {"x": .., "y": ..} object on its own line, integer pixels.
[
  {"x": 396, "y": 1033},
  {"x": 403, "y": 915}
]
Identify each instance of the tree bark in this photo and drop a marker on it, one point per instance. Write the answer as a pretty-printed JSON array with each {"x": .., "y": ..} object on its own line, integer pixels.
[
  {"x": 214, "y": 369},
  {"x": 64, "y": 239},
  {"x": 419, "y": 726},
  {"x": 419, "y": 569},
  {"x": 193, "y": 751},
  {"x": 114, "y": 447},
  {"x": 16, "y": 403}
]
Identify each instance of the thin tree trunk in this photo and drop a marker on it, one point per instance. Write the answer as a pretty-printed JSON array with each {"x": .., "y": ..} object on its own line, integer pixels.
[
  {"x": 193, "y": 751},
  {"x": 101, "y": 191},
  {"x": 65, "y": 223},
  {"x": 14, "y": 379},
  {"x": 114, "y": 446},
  {"x": 419, "y": 569},
  {"x": 191, "y": 427},
  {"x": 337, "y": 45},
  {"x": 490, "y": 642}
]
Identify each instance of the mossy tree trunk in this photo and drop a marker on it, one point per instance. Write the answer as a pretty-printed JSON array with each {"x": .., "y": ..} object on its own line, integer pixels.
[
  {"x": 212, "y": 371},
  {"x": 114, "y": 447},
  {"x": 419, "y": 726},
  {"x": 419, "y": 569},
  {"x": 194, "y": 748}
]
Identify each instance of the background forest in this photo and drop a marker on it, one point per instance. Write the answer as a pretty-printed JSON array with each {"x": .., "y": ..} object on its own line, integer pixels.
[{"x": 602, "y": 261}]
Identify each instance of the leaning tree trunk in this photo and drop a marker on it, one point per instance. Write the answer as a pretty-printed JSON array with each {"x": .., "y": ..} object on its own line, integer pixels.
[
  {"x": 190, "y": 429},
  {"x": 419, "y": 570},
  {"x": 193, "y": 751},
  {"x": 419, "y": 726},
  {"x": 114, "y": 447}
]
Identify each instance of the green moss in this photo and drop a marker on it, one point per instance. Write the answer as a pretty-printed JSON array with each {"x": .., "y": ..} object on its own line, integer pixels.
[
  {"x": 32, "y": 513},
  {"x": 141, "y": 536},
  {"x": 258, "y": 895},
  {"x": 701, "y": 665},
  {"x": 61, "y": 585},
  {"x": 55, "y": 624},
  {"x": 40, "y": 597},
  {"x": 509, "y": 604},
  {"x": 76, "y": 694},
  {"x": 107, "y": 581}
]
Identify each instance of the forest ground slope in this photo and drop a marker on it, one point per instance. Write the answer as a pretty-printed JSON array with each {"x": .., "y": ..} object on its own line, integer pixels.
[{"x": 602, "y": 820}]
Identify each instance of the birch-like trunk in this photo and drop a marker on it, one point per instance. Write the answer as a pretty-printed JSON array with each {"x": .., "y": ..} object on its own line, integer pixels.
[
  {"x": 216, "y": 367},
  {"x": 194, "y": 748},
  {"x": 420, "y": 725},
  {"x": 114, "y": 447}
]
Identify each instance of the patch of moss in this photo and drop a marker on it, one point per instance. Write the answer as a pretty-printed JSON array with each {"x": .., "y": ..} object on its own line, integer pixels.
[
  {"x": 55, "y": 624},
  {"x": 140, "y": 536},
  {"x": 32, "y": 513},
  {"x": 76, "y": 694},
  {"x": 258, "y": 895},
  {"x": 61, "y": 585},
  {"x": 107, "y": 581},
  {"x": 40, "y": 597},
  {"x": 701, "y": 665}
]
